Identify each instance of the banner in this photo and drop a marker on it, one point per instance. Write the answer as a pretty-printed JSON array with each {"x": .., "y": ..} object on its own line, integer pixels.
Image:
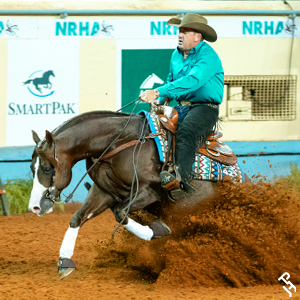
[
  {"x": 42, "y": 87},
  {"x": 146, "y": 27}
]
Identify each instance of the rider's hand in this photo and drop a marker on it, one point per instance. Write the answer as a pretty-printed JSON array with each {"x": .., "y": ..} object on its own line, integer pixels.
[{"x": 148, "y": 96}]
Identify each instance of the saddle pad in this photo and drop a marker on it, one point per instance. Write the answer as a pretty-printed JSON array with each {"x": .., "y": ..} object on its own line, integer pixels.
[
  {"x": 161, "y": 142},
  {"x": 203, "y": 168}
]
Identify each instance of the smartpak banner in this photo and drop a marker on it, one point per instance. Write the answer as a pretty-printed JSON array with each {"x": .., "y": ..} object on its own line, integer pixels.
[{"x": 42, "y": 87}]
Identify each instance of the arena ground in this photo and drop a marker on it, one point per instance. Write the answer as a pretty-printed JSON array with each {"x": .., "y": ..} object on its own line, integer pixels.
[{"x": 234, "y": 251}]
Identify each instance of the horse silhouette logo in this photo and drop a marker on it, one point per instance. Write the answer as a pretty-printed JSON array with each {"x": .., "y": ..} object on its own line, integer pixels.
[
  {"x": 106, "y": 29},
  {"x": 290, "y": 27},
  {"x": 11, "y": 29},
  {"x": 40, "y": 83}
]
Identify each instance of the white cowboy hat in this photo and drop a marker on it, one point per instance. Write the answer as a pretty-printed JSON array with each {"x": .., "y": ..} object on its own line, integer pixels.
[{"x": 196, "y": 22}]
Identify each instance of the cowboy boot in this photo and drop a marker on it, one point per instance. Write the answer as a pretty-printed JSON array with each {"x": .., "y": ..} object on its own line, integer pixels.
[{"x": 187, "y": 186}]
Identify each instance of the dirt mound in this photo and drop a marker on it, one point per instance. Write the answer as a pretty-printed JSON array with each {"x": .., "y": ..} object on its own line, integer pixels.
[{"x": 248, "y": 234}]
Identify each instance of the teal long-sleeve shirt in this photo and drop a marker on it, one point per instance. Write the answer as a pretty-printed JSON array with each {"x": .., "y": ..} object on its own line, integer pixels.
[{"x": 198, "y": 78}]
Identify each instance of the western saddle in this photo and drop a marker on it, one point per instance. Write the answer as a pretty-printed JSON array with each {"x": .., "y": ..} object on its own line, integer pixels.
[{"x": 212, "y": 148}]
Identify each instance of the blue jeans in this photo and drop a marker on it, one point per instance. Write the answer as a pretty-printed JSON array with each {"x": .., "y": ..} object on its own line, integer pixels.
[{"x": 182, "y": 112}]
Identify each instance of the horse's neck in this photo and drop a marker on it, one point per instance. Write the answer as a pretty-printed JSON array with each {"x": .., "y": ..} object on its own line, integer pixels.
[{"x": 78, "y": 143}]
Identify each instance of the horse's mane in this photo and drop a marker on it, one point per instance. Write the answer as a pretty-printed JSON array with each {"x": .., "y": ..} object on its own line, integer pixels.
[{"x": 89, "y": 116}]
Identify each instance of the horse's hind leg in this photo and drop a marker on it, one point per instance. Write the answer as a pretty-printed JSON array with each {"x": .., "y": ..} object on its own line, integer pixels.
[
  {"x": 37, "y": 87},
  {"x": 143, "y": 232},
  {"x": 96, "y": 202},
  {"x": 157, "y": 229}
]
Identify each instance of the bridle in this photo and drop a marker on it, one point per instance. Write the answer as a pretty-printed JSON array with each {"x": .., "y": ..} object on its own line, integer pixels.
[{"x": 50, "y": 191}]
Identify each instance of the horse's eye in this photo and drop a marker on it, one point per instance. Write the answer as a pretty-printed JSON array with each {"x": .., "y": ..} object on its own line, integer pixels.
[{"x": 47, "y": 170}]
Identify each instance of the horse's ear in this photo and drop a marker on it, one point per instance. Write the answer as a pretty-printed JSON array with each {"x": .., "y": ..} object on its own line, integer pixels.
[
  {"x": 35, "y": 137},
  {"x": 49, "y": 138},
  {"x": 50, "y": 141}
]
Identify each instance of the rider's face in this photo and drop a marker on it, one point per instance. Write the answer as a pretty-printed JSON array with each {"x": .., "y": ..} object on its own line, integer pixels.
[{"x": 188, "y": 39}]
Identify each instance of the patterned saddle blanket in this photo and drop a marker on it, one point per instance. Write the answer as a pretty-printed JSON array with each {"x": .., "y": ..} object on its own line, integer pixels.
[{"x": 203, "y": 168}]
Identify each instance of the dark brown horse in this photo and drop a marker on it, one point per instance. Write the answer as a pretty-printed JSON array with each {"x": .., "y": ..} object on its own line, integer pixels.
[{"x": 87, "y": 136}]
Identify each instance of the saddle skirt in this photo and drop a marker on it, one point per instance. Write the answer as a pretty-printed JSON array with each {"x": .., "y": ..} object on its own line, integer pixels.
[
  {"x": 217, "y": 150},
  {"x": 204, "y": 167}
]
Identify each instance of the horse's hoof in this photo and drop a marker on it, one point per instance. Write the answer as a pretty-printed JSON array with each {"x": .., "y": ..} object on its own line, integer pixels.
[
  {"x": 160, "y": 229},
  {"x": 65, "y": 267},
  {"x": 64, "y": 272},
  {"x": 176, "y": 194}
]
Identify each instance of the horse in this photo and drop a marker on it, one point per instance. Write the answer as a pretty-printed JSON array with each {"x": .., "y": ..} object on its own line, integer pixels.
[
  {"x": 44, "y": 80},
  {"x": 89, "y": 136}
]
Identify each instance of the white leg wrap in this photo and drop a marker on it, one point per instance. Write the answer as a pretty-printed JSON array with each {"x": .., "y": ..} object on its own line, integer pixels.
[
  {"x": 68, "y": 244},
  {"x": 143, "y": 232}
]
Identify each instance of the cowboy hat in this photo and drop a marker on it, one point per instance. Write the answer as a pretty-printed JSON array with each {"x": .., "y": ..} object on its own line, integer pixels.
[{"x": 196, "y": 22}]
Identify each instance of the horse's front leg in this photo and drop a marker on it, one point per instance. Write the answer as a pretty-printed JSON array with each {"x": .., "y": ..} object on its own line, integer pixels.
[{"x": 97, "y": 201}]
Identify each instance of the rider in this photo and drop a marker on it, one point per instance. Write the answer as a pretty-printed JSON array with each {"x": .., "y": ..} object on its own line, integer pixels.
[{"x": 196, "y": 82}]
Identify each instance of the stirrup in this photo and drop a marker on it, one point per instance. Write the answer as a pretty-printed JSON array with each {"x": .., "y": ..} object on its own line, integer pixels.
[{"x": 170, "y": 181}]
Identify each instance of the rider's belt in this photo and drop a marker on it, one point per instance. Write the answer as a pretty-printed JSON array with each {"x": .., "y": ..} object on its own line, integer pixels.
[
  {"x": 188, "y": 103},
  {"x": 185, "y": 103},
  {"x": 213, "y": 105}
]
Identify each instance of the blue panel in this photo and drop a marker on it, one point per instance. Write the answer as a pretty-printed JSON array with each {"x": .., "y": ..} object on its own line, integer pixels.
[
  {"x": 16, "y": 153},
  {"x": 265, "y": 147},
  {"x": 14, "y": 170},
  {"x": 13, "y": 163},
  {"x": 268, "y": 166}
]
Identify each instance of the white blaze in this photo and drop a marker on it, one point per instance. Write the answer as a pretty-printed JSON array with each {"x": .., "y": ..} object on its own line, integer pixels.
[{"x": 37, "y": 192}]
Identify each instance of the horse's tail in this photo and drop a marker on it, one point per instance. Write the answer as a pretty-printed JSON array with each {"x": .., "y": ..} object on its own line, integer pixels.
[{"x": 28, "y": 81}]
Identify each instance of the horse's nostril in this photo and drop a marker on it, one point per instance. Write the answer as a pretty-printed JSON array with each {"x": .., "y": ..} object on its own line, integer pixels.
[{"x": 36, "y": 210}]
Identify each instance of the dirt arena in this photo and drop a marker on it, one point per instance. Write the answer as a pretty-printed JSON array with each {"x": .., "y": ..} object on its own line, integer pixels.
[{"x": 234, "y": 246}]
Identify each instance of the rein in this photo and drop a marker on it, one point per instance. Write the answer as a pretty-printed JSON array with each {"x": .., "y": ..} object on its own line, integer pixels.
[
  {"x": 142, "y": 139},
  {"x": 139, "y": 142},
  {"x": 51, "y": 190},
  {"x": 135, "y": 178},
  {"x": 130, "y": 144}
]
